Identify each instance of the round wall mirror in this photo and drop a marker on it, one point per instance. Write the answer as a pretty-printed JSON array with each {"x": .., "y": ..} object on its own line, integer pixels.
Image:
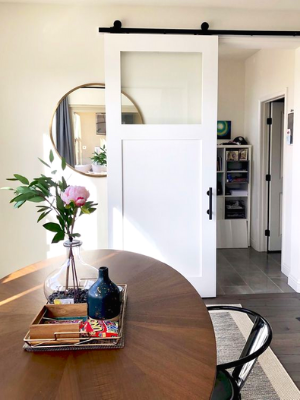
[{"x": 78, "y": 127}]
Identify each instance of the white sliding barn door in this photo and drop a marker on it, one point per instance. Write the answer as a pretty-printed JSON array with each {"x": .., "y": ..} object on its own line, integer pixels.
[{"x": 159, "y": 172}]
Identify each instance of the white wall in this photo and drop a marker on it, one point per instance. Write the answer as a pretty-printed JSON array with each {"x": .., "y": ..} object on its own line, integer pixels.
[
  {"x": 268, "y": 73},
  {"x": 231, "y": 94},
  {"x": 45, "y": 51},
  {"x": 92, "y": 97},
  {"x": 294, "y": 275}
]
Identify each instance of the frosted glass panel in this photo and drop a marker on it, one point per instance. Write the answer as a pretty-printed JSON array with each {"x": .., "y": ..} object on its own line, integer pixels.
[{"x": 165, "y": 87}]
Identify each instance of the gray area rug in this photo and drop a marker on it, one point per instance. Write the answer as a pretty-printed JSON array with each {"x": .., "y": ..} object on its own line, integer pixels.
[{"x": 268, "y": 379}]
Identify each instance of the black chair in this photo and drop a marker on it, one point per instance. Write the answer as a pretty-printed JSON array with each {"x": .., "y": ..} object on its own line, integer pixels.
[{"x": 228, "y": 386}]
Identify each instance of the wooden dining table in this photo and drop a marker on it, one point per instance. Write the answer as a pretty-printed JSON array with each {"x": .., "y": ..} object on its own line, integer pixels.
[{"x": 169, "y": 352}]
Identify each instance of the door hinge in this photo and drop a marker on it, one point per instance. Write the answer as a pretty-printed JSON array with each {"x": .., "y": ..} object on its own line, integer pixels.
[
  {"x": 269, "y": 121},
  {"x": 267, "y": 232},
  {"x": 268, "y": 178}
]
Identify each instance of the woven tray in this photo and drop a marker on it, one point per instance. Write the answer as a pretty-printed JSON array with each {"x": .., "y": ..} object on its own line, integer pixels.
[{"x": 84, "y": 343}]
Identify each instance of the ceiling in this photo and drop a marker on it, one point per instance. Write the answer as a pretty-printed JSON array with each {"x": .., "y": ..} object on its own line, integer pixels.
[
  {"x": 240, "y": 48},
  {"x": 233, "y": 53},
  {"x": 289, "y": 5}
]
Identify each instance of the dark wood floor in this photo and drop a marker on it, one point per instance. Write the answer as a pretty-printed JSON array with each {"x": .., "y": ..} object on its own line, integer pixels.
[{"x": 282, "y": 310}]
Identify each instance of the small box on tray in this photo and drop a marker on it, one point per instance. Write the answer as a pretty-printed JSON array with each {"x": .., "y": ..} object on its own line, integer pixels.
[
  {"x": 68, "y": 318},
  {"x": 68, "y": 323}
]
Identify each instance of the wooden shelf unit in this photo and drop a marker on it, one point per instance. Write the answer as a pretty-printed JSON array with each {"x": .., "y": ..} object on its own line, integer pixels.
[{"x": 238, "y": 225}]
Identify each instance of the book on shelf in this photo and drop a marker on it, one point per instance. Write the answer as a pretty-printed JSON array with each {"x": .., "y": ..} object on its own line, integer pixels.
[
  {"x": 237, "y": 192},
  {"x": 219, "y": 164}
]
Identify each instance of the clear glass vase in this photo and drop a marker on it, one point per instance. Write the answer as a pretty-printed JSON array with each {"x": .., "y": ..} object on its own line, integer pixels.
[{"x": 70, "y": 283}]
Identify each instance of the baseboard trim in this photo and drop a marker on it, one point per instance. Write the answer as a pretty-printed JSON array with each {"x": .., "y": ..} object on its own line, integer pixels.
[
  {"x": 294, "y": 283},
  {"x": 253, "y": 244},
  {"x": 285, "y": 269}
]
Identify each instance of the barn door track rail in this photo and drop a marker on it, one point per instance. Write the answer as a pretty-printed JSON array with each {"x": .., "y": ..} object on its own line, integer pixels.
[{"x": 204, "y": 31}]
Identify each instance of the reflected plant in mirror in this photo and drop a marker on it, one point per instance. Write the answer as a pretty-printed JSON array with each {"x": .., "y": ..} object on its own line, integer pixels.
[
  {"x": 99, "y": 160},
  {"x": 78, "y": 128}
]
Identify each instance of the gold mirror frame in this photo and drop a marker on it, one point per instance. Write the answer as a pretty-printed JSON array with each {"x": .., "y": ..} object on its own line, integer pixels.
[{"x": 66, "y": 95}]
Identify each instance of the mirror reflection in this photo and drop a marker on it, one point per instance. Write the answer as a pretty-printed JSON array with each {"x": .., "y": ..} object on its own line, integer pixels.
[{"x": 78, "y": 128}]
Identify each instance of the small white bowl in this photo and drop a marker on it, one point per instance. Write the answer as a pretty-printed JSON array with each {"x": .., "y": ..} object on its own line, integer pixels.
[{"x": 83, "y": 168}]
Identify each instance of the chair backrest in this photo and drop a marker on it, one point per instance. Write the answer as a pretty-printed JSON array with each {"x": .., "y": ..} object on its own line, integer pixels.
[{"x": 258, "y": 341}]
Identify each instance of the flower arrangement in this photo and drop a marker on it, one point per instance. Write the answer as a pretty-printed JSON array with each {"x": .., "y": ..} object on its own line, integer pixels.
[{"x": 68, "y": 203}]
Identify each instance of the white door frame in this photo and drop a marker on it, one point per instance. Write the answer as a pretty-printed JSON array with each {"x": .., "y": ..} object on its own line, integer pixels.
[{"x": 263, "y": 198}]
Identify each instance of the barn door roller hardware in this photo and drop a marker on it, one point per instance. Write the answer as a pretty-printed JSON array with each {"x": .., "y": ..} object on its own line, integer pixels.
[{"x": 117, "y": 28}]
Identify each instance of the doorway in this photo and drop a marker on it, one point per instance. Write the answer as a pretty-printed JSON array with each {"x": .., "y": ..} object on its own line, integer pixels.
[
  {"x": 248, "y": 95},
  {"x": 274, "y": 175}
]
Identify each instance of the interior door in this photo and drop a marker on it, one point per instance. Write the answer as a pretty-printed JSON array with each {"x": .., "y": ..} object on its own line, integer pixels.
[
  {"x": 160, "y": 171},
  {"x": 276, "y": 172}
]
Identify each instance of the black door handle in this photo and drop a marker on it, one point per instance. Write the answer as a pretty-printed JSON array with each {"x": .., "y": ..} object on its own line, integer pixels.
[{"x": 209, "y": 211}]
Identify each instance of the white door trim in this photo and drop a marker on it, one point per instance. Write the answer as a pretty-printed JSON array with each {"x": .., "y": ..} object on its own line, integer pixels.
[{"x": 263, "y": 209}]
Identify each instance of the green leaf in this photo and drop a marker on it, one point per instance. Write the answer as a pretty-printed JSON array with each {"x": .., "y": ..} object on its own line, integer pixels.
[
  {"x": 43, "y": 208},
  {"x": 43, "y": 215},
  {"x": 58, "y": 237},
  {"x": 43, "y": 189},
  {"x": 44, "y": 177},
  {"x": 51, "y": 156},
  {"x": 52, "y": 226},
  {"x": 47, "y": 165},
  {"x": 63, "y": 163},
  {"x": 24, "y": 189},
  {"x": 64, "y": 183},
  {"x": 42, "y": 182},
  {"x": 6, "y": 188},
  {"x": 54, "y": 172},
  {"x": 75, "y": 235},
  {"x": 90, "y": 204},
  {"x": 36, "y": 199},
  {"x": 11, "y": 179},
  {"x": 61, "y": 221},
  {"x": 59, "y": 203},
  {"x": 23, "y": 197},
  {"x": 22, "y": 179},
  {"x": 19, "y": 204},
  {"x": 33, "y": 183},
  {"x": 84, "y": 210}
]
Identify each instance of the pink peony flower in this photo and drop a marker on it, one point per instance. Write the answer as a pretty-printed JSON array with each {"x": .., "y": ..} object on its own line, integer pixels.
[{"x": 77, "y": 194}]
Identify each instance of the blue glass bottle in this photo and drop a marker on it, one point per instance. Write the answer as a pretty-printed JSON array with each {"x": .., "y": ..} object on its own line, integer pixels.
[{"x": 103, "y": 297}]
